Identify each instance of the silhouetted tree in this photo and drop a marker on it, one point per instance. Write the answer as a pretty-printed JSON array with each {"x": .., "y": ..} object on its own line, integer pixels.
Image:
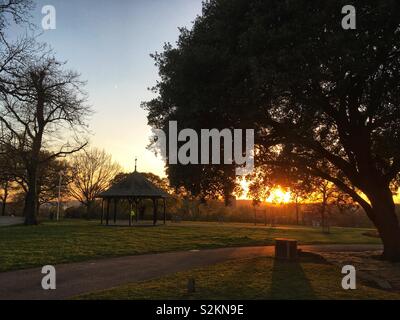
[
  {"x": 92, "y": 172},
  {"x": 17, "y": 11},
  {"x": 322, "y": 99},
  {"x": 41, "y": 105},
  {"x": 49, "y": 180}
]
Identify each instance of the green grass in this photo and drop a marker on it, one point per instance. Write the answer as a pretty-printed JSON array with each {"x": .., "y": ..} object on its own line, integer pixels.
[
  {"x": 254, "y": 279},
  {"x": 71, "y": 241}
]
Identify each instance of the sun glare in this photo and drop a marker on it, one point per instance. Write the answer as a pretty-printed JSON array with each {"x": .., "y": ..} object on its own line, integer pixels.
[{"x": 277, "y": 194}]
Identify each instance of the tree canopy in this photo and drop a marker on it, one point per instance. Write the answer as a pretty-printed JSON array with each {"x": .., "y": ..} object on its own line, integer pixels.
[{"x": 323, "y": 100}]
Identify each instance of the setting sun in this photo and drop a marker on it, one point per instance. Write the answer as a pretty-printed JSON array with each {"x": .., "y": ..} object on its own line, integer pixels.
[{"x": 278, "y": 195}]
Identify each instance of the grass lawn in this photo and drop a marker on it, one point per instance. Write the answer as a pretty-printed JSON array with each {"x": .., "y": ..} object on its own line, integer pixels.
[
  {"x": 257, "y": 278},
  {"x": 70, "y": 241}
]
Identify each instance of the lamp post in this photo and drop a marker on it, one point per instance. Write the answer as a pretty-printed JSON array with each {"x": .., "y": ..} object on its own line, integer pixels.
[{"x": 59, "y": 194}]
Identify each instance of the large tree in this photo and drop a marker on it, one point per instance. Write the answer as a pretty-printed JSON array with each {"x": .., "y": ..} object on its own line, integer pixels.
[
  {"x": 322, "y": 99},
  {"x": 42, "y": 105}
]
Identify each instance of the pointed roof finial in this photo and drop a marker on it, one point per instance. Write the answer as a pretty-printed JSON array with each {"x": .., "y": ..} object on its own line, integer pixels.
[{"x": 135, "y": 164}]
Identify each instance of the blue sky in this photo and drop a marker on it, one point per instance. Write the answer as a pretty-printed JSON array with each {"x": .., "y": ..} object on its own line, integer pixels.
[{"x": 109, "y": 43}]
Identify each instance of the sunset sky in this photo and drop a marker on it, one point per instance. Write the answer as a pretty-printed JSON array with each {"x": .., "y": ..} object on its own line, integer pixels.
[{"x": 109, "y": 43}]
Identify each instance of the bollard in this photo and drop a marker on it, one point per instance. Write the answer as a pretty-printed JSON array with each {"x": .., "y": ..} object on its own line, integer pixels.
[
  {"x": 191, "y": 286},
  {"x": 285, "y": 249}
]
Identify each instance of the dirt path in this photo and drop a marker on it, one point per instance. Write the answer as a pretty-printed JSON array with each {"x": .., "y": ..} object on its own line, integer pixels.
[{"x": 84, "y": 277}]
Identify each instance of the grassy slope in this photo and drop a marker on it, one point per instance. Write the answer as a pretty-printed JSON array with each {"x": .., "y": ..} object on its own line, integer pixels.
[
  {"x": 69, "y": 241},
  {"x": 259, "y": 278}
]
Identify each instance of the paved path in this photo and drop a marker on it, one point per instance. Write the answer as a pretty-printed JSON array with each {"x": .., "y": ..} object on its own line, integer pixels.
[
  {"x": 9, "y": 221},
  {"x": 83, "y": 277}
]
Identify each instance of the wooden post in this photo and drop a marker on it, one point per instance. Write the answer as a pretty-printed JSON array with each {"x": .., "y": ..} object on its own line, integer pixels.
[
  {"x": 115, "y": 210},
  {"x": 165, "y": 214},
  {"x": 130, "y": 212},
  {"x": 102, "y": 210},
  {"x": 154, "y": 211},
  {"x": 108, "y": 211},
  {"x": 137, "y": 210},
  {"x": 191, "y": 286}
]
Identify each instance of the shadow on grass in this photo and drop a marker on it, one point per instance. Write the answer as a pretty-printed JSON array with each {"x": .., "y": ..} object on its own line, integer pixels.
[
  {"x": 233, "y": 283},
  {"x": 290, "y": 282}
]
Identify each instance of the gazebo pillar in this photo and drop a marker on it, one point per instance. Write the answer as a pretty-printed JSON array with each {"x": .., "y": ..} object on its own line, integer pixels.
[
  {"x": 165, "y": 214},
  {"x": 130, "y": 211},
  {"x": 102, "y": 210},
  {"x": 108, "y": 211},
  {"x": 137, "y": 210},
  {"x": 154, "y": 211},
  {"x": 115, "y": 210}
]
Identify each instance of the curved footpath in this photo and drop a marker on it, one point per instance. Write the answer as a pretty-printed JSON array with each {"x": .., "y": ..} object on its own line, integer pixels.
[{"x": 83, "y": 277}]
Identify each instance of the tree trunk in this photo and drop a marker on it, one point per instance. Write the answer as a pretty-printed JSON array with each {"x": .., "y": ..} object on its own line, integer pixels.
[
  {"x": 297, "y": 212},
  {"x": 88, "y": 210},
  {"x": 30, "y": 208},
  {"x": 3, "y": 208},
  {"x": 387, "y": 223},
  {"x": 38, "y": 207},
  {"x": 323, "y": 208},
  {"x": 32, "y": 165},
  {"x": 4, "y": 202}
]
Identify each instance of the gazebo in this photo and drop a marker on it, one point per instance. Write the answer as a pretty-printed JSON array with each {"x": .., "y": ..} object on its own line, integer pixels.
[{"x": 134, "y": 188}]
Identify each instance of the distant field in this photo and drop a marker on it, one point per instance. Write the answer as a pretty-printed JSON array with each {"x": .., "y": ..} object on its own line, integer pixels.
[
  {"x": 76, "y": 240},
  {"x": 248, "y": 279}
]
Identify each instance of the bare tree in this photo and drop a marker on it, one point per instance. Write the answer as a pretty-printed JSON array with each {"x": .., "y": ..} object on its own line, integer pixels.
[
  {"x": 329, "y": 196},
  {"x": 325, "y": 194},
  {"x": 8, "y": 172},
  {"x": 49, "y": 179},
  {"x": 16, "y": 10},
  {"x": 11, "y": 53},
  {"x": 300, "y": 192},
  {"x": 42, "y": 106},
  {"x": 93, "y": 171}
]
